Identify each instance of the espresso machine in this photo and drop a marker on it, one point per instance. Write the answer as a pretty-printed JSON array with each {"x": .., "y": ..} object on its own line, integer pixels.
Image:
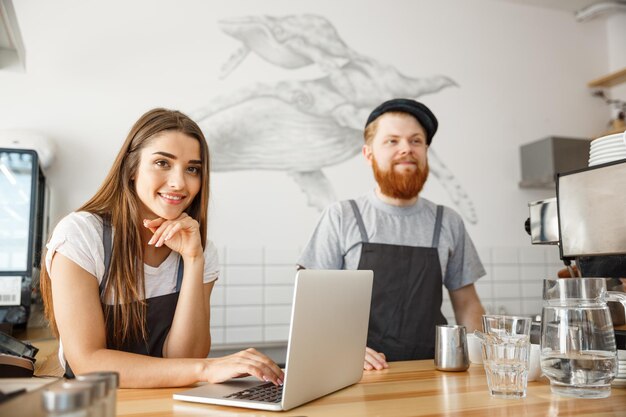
[{"x": 587, "y": 220}]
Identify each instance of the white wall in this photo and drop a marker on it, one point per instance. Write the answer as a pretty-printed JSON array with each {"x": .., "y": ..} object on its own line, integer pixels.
[
  {"x": 94, "y": 67},
  {"x": 616, "y": 40}
]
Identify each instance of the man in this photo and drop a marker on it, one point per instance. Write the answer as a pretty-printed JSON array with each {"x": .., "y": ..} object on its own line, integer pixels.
[{"x": 412, "y": 245}]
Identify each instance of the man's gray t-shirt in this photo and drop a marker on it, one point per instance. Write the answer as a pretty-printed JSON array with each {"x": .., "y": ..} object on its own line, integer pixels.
[{"x": 336, "y": 241}]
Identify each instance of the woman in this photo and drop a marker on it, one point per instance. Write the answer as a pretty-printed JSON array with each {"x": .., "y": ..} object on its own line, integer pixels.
[{"x": 127, "y": 278}]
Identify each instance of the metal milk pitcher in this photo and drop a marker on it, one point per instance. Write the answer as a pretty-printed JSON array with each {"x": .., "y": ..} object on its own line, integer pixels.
[{"x": 578, "y": 352}]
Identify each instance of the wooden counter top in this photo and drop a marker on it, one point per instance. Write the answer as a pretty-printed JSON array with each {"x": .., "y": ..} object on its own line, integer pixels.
[{"x": 412, "y": 388}]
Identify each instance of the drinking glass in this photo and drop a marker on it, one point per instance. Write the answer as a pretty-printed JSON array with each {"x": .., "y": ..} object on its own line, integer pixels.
[{"x": 506, "y": 355}]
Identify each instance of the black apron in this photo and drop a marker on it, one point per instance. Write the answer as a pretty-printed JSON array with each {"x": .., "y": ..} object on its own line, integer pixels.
[
  {"x": 159, "y": 310},
  {"x": 406, "y": 296}
]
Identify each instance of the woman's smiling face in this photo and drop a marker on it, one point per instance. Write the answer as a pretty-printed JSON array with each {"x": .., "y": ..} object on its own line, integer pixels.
[{"x": 169, "y": 175}]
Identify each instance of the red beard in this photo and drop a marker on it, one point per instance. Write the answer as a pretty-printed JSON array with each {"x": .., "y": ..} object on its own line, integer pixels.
[{"x": 405, "y": 185}]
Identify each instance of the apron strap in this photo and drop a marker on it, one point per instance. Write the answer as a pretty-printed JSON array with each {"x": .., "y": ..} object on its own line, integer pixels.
[
  {"x": 359, "y": 221},
  {"x": 106, "y": 243},
  {"x": 179, "y": 273},
  {"x": 361, "y": 225},
  {"x": 437, "y": 227}
]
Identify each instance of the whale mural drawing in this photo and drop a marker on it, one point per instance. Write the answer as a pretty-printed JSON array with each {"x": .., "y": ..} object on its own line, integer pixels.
[{"x": 303, "y": 126}]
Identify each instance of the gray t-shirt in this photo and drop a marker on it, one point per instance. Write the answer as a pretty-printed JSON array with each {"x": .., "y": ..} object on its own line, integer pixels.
[{"x": 336, "y": 241}]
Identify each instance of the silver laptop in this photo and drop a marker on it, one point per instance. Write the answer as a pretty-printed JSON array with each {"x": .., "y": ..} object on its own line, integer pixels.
[{"x": 326, "y": 347}]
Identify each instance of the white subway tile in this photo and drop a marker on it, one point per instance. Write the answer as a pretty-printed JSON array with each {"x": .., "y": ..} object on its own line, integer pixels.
[
  {"x": 532, "y": 289},
  {"x": 248, "y": 335},
  {"x": 506, "y": 289},
  {"x": 217, "y": 335},
  {"x": 245, "y": 275},
  {"x": 504, "y": 255},
  {"x": 276, "y": 333},
  {"x": 532, "y": 255},
  {"x": 484, "y": 289},
  {"x": 553, "y": 255},
  {"x": 484, "y": 253},
  {"x": 217, "y": 295},
  {"x": 506, "y": 306},
  {"x": 244, "y": 255},
  {"x": 221, "y": 255},
  {"x": 282, "y": 256},
  {"x": 514, "y": 307},
  {"x": 278, "y": 294},
  {"x": 244, "y": 316},
  {"x": 533, "y": 272},
  {"x": 532, "y": 306},
  {"x": 280, "y": 274},
  {"x": 488, "y": 277},
  {"x": 489, "y": 306},
  {"x": 252, "y": 295},
  {"x": 4, "y": 255},
  {"x": 222, "y": 278},
  {"x": 278, "y": 314},
  {"x": 488, "y": 272},
  {"x": 505, "y": 273},
  {"x": 217, "y": 316}
]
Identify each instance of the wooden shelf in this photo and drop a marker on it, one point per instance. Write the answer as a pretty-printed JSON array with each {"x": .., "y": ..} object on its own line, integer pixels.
[{"x": 610, "y": 80}]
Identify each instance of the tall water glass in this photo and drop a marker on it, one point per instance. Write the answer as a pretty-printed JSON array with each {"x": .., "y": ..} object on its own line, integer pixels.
[{"x": 506, "y": 355}]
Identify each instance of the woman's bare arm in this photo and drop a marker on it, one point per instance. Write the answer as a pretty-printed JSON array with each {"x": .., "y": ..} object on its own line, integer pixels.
[{"x": 81, "y": 327}]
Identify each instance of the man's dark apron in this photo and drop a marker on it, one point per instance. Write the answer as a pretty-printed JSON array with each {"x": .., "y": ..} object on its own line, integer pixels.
[
  {"x": 159, "y": 311},
  {"x": 406, "y": 296}
]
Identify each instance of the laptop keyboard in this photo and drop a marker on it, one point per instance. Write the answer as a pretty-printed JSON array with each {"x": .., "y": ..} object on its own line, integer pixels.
[{"x": 269, "y": 393}]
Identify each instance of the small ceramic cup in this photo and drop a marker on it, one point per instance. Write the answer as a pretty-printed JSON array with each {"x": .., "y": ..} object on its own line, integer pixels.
[
  {"x": 534, "y": 369},
  {"x": 474, "y": 349}
]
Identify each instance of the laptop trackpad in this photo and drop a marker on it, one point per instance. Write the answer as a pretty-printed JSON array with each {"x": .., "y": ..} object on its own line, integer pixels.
[{"x": 226, "y": 388}]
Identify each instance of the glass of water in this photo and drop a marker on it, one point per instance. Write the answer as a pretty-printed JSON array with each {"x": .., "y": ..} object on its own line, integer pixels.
[{"x": 506, "y": 355}]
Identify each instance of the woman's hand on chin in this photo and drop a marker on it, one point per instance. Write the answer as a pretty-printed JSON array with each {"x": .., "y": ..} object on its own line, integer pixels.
[{"x": 181, "y": 235}]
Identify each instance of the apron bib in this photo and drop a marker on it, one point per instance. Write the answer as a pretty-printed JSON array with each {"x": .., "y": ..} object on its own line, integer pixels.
[
  {"x": 159, "y": 310},
  {"x": 406, "y": 296}
]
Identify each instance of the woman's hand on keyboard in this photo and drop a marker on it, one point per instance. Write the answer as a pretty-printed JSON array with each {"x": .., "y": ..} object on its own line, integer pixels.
[{"x": 241, "y": 364}]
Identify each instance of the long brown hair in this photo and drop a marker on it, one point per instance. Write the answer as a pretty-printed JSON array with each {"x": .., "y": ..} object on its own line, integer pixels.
[{"x": 117, "y": 199}]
